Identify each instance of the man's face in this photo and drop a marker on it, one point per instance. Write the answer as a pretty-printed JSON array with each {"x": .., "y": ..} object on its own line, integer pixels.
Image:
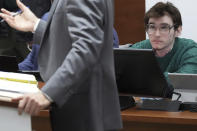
[{"x": 161, "y": 33}]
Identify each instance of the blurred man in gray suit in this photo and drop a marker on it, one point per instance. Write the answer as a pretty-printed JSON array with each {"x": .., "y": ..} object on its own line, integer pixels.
[{"x": 76, "y": 62}]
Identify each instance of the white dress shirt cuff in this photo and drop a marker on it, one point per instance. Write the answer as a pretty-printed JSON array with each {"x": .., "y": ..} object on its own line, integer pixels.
[
  {"x": 36, "y": 25},
  {"x": 48, "y": 98}
]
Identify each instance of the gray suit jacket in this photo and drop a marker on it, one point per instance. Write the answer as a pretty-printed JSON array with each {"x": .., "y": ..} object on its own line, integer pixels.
[{"x": 76, "y": 62}]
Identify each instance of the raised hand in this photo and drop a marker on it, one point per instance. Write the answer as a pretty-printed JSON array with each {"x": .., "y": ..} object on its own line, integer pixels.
[{"x": 24, "y": 21}]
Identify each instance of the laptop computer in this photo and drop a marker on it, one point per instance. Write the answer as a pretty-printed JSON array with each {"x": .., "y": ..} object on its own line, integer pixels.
[
  {"x": 8, "y": 63},
  {"x": 183, "y": 81},
  {"x": 184, "y": 84},
  {"x": 138, "y": 74}
]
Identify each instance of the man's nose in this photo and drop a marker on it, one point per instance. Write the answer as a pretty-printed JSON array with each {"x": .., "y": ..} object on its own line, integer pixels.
[{"x": 157, "y": 32}]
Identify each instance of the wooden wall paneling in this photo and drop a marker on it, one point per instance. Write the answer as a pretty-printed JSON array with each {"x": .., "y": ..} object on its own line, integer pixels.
[{"x": 129, "y": 20}]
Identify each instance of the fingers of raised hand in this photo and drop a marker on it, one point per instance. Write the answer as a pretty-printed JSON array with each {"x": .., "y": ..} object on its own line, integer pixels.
[
  {"x": 6, "y": 17},
  {"x": 6, "y": 12},
  {"x": 21, "y": 5}
]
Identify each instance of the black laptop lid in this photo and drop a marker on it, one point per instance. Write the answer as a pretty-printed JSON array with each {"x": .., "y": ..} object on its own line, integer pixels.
[
  {"x": 137, "y": 72},
  {"x": 8, "y": 63}
]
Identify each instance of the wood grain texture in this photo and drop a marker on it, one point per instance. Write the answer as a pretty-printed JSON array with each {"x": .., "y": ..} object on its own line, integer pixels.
[
  {"x": 129, "y": 20},
  {"x": 145, "y": 120}
]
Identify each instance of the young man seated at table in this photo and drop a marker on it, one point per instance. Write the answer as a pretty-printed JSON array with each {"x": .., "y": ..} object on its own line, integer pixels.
[{"x": 163, "y": 25}]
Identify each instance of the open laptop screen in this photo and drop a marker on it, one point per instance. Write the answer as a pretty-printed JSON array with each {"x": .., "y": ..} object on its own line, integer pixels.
[
  {"x": 183, "y": 80},
  {"x": 138, "y": 73},
  {"x": 184, "y": 84}
]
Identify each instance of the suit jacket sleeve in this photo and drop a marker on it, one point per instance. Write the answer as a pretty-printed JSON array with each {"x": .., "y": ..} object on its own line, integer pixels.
[
  {"x": 39, "y": 31},
  {"x": 85, "y": 20}
]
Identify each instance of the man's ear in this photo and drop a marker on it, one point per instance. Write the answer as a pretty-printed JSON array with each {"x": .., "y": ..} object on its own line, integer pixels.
[{"x": 178, "y": 31}]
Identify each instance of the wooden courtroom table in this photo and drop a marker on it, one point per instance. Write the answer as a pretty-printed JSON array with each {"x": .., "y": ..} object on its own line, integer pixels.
[
  {"x": 133, "y": 120},
  {"x": 146, "y": 120},
  {"x": 41, "y": 122},
  {"x": 138, "y": 120}
]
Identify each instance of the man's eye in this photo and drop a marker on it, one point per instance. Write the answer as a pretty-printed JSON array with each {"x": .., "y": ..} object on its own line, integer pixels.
[
  {"x": 152, "y": 27},
  {"x": 164, "y": 27}
]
